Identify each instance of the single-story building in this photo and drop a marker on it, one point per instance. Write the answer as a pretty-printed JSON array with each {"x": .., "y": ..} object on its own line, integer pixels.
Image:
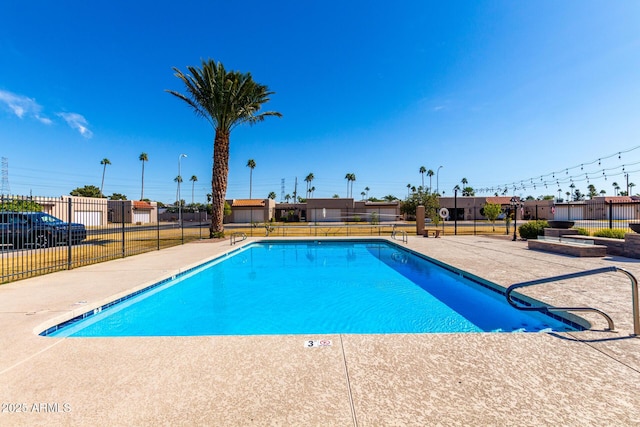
[{"x": 133, "y": 211}]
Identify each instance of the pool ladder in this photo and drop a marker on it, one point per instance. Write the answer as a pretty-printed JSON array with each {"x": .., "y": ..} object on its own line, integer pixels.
[
  {"x": 544, "y": 309},
  {"x": 235, "y": 236},
  {"x": 403, "y": 235}
]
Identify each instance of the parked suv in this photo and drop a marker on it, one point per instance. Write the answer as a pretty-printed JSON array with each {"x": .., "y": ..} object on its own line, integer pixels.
[{"x": 38, "y": 230}]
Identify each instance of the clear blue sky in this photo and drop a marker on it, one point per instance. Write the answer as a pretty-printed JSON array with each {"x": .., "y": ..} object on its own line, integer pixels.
[{"x": 498, "y": 92}]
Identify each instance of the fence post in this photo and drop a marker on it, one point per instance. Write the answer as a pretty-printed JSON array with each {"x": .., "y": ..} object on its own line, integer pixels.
[
  {"x": 69, "y": 234},
  {"x": 122, "y": 219},
  {"x": 610, "y": 214},
  {"x": 158, "y": 233}
]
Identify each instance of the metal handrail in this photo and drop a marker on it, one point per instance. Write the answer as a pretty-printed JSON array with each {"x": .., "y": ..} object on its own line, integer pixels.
[
  {"x": 235, "y": 236},
  {"x": 634, "y": 295},
  {"x": 405, "y": 236}
]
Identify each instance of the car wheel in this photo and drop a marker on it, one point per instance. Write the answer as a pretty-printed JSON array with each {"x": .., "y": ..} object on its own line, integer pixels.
[{"x": 42, "y": 241}]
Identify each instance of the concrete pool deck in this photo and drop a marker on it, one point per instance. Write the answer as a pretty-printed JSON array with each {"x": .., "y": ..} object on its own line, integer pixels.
[{"x": 569, "y": 379}]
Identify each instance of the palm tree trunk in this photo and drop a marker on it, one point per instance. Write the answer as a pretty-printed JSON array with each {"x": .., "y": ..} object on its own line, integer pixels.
[
  {"x": 104, "y": 169},
  {"x": 142, "y": 191},
  {"x": 219, "y": 180}
]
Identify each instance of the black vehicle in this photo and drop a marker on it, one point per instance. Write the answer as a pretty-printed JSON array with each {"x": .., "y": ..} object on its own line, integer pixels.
[{"x": 37, "y": 230}]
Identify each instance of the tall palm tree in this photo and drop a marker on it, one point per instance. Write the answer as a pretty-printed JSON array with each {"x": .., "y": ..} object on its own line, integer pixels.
[
  {"x": 422, "y": 172},
  {"x": 178, "y": 179},
  {"x": 104, "y": 162},
  {"x": 143, "y": 158},
  {"x": 311, "y": 190},
  {"x": 226, "y": 99},
  {"x": 251, "y": 164},
  {"x": 367, "y": 190},
  {"x": 348, "y": 178},
  {"x": 408, "y": 188},
  {"x": 308, "y": 180},
  {"x": 616, "y": 187},
  {"x": 430, "y": 174},
  {"x": 353, "y": 179},
  {"x": 193, "y": 180}
]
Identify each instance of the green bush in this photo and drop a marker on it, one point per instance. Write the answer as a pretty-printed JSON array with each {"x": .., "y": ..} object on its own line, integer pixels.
[
  {"x": 582, "y": 231},
  {"x": 613, "y": 233},
  {"x": 532, "y": 229}
]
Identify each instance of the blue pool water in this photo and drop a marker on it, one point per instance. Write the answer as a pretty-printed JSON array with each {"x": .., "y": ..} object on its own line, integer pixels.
[{"x": 312, "y": 287}]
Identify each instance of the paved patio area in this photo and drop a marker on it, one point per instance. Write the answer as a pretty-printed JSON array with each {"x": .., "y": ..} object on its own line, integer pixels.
[{"x": 569, "y": 379}]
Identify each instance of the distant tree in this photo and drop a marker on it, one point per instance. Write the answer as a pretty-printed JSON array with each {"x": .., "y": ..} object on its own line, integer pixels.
[
  {"x": 366, "y": 189},
  {"x": 251, "y": 164},
  {"x": 87, "y": 191},
  {"x": 287, "y": 198},
  {"x": 143, "y": 158},
  {"x": 631, "y": 185},
  {"x": 20, "y": 205},
  {"x": 117, "y": 196},
  {"x": 469, "y": 192},
  {"x": 422, "y": 171},
  {"x": 430, "y": 174},
  {"x": 592, "y": 192},
  {"x": 178, "y": 179},
  {"x": 390, "y": 198},
  {"x": 350, "y": 177},
  {"x": 492, "y": 211},
  {"x": 362, "y": 193},
  {"x": 464, "y": 181},
  {"x": 312, "y": 190},
  {"x": 616, "y": 187},
  {"x": 308, "y": 180},
  {"x": 272, "y": 195},
  {"x": 429, "y": 201},
  {"x": 603, "y": 192},
  {"x": 193, "y": 180},
  {"x": 335, "y": 196},
  {"x": 408, "y": 188},
  {"x": 104, "y": 162}
]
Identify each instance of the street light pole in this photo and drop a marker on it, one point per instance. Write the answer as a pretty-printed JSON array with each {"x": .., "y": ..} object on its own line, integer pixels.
[
  {"x": 179, "y": 197},
  {"x": 438, "y": 180}
]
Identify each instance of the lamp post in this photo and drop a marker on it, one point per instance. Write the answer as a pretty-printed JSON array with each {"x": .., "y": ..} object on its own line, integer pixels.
[
  {"x": 438, "y": 180},
  {"x": 514, "y": 204},
  {"x": 179, "y": 197}
]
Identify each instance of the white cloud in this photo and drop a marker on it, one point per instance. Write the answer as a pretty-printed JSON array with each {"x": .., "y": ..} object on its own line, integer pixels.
[
  {"x": 78, "y": 122},
  {"x": 23, "y": 106}
]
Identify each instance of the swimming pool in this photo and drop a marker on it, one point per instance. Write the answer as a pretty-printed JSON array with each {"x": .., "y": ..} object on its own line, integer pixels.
[{"x": 312, "y": 287}]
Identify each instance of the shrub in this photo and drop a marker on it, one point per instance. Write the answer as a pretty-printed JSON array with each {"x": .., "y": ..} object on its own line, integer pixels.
[
  {"x": 532, "y": 229},
  {"x": 582, "y": 231},
  {"x": 613, "y": 233}
]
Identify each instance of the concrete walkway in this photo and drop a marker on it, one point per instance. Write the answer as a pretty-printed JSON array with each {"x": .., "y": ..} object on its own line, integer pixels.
[{"x": 570, "y": 379}]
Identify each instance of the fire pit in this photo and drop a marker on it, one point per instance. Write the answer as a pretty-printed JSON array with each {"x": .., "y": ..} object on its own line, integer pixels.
[
  {"x": 635, "y": 226},
  {"x": 561, "y": 224}
]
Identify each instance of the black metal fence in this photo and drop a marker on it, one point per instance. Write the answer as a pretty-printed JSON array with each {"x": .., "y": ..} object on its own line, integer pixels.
[
  {"x": 591, "y": 216},
  {"x": 40, "y": 235}
]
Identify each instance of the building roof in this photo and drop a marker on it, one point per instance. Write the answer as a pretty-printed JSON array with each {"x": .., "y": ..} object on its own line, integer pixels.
[
  {"x": 142, "y": 205},
  {"x": 500, "y": 200},
  {"x": 618, "y": 199},
  {"x": 247, "y": 203}
]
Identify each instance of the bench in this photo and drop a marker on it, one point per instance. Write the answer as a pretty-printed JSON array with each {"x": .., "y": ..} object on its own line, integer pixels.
[{"x": 434, "y": 233}]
